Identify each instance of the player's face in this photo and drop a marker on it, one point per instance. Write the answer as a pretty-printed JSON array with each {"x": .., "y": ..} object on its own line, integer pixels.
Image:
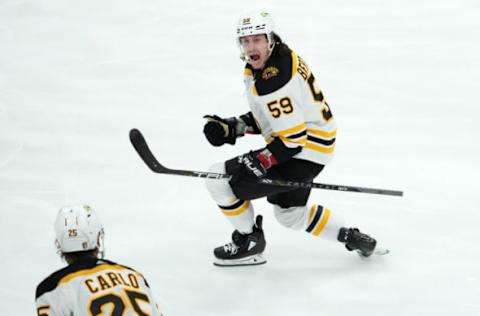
[{"x": 255, "y": 48}]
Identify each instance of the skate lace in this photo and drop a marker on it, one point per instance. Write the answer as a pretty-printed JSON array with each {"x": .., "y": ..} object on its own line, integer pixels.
[{"x": 230, "y": 248}]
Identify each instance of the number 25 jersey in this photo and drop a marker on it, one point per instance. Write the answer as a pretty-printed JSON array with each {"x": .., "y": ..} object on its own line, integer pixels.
[{"x": 95, "y": 287}]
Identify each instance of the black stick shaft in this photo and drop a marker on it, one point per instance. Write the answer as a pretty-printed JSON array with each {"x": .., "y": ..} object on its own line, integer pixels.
[{"x": 140, "y": 145}]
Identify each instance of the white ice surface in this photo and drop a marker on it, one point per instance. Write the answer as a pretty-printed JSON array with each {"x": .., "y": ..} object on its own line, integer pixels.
[{"x": 402, "y": 78}]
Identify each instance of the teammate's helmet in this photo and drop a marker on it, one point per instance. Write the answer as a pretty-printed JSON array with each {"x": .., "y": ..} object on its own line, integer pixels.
[
  {"x": 253, "y": 23},
  {"x": 78, "y": 228}
]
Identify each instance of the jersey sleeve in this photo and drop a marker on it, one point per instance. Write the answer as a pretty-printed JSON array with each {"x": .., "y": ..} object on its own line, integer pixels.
[
  {"x": 251, "y": 124},
  {"x": 153, "y": 302},
  {"x": 53, "y": 303}
]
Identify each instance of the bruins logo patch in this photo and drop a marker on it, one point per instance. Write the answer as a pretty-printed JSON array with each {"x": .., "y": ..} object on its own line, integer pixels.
[{"x": 270, "y": 72}]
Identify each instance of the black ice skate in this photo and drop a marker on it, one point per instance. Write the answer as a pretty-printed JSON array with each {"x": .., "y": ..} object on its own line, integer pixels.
[
  {"x": 362, "y": 243},
  {"x": 245, "y": 249}
]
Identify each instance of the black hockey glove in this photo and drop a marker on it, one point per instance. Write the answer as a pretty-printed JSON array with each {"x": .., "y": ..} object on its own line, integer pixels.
[
  {"x": 251, "y": 166},
  {"x": 219, "y": 130}
]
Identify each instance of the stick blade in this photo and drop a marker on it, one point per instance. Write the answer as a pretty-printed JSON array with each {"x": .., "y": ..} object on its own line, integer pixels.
[
  {"x": 141, "y": 147},
  {"x": 135, "y": 134}
]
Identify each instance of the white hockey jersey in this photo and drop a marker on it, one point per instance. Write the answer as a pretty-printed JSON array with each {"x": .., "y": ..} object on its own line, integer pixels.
[
  {"x": 287, "y": 104},
  {"x": 95, "y": 287}
]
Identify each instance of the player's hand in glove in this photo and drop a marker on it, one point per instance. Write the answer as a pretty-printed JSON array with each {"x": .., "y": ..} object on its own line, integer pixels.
[
  {"x": 219, "y": 130},
  {"x": 252, "y": 166}
]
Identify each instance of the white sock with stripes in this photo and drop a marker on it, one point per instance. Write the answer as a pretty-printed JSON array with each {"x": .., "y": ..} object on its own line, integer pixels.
[
  {"x": 240, "y": 214},
  {"x": 321, "y": 223}
]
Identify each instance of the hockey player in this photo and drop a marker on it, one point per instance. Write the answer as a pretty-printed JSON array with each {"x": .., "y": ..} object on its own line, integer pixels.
[
  {"x": 90, "y": 285},
  {"x": 290, "y": 112}
]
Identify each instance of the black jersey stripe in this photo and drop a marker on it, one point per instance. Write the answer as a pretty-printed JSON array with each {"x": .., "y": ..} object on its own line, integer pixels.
[
  {"x": 316, "y": 218},
  {"x": 52, "y": 281},
  {"x": 321, "y": 141},
  {"x": 298, "y": 135}
]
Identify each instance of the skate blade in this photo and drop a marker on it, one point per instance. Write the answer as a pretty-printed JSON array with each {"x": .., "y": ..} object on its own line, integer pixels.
[
  {"x": 247, "y": 261},
  {"x": 377, "y": 252}
]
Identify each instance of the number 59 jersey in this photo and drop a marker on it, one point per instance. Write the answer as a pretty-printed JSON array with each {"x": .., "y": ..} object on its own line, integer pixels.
[
  {"x": 287, "y": 104},
  {"x": 95, "y": 287}
]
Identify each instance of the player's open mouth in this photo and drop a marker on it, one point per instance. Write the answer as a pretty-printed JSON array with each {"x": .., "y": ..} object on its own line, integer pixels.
[{"x": 254, "y": 57}]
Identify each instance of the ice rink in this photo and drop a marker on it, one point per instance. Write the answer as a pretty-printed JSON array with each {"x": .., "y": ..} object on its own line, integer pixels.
[{"x": 402, "y": 79}]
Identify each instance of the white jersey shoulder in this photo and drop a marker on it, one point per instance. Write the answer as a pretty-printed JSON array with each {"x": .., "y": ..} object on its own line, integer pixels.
[
  {"x": 286, "y": 103},
  {"x": 98, "y": 287}
]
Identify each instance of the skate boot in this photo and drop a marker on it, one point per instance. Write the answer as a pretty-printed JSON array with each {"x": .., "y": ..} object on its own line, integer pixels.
[
  {"x": 245, "y": 249},
  {"x": 355, "y": 240}
]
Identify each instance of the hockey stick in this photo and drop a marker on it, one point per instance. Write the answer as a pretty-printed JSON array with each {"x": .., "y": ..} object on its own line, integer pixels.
[{"x": 140, "y": 145}]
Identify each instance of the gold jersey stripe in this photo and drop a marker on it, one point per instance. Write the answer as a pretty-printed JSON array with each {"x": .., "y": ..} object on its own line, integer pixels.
[
  {"x": 293, "y": 130},
  {"x": 97, "y": 269},
  {"x": 322, "y": 149},
  {"x": 254, "y": 90},
  {"x": 43, "y": 310},
  {"x": 300, "y": 141},
  {"x": 248, "y": 72},
  {"x": 238, "y": 211},
  {"x": 322, "y": 223},
  {"x": 322, "y": 133},
  {"x": 294, "y": 63}
]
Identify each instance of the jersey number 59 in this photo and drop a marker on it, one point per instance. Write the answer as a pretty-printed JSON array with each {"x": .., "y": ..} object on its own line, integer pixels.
[
  {"x": 279, "y": 107},
  {"x": 318, "y": 97}
]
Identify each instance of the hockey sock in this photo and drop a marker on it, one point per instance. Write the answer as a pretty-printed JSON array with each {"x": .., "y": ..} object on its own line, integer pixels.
[
  {"x": 321, "y": 223},
  {"x": 240, "y": 214}
]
